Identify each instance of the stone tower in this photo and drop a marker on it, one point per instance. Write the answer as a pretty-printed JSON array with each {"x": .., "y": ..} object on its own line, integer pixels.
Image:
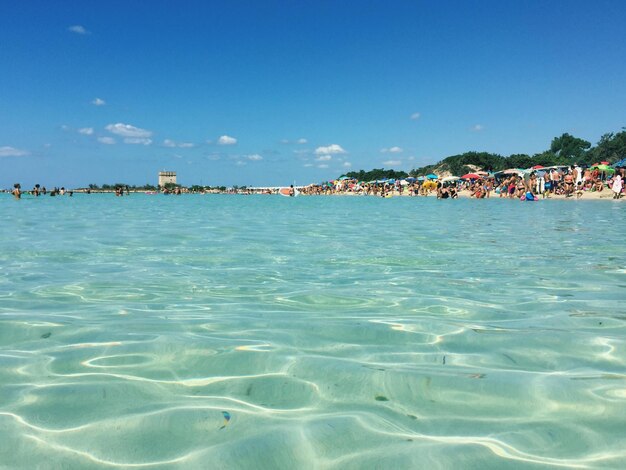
[{"x": 166, "y": 177}]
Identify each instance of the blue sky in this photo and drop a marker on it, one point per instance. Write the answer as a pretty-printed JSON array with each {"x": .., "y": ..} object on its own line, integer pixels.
[{"x": 268, "y": 93}]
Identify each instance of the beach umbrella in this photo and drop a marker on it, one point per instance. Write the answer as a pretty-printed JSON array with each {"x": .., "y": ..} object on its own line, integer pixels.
[
  {"x": 513, "y": 171},
  {"x": 421, "y": 178},
  {"x": 537, "y": 167},
  {"x": 410, "y": 179},
  {"x": 404, "y": 182},
  {"x": 432, "y": 176},
  {"x": 604, "y": 168},
  {"x": 604, "y": 163},
  {"x": 622, "y": 162},
  {"x": 470, "y": 176},
  {"x": 343, "y": 178},
  {"x": 450, "y": 178}
]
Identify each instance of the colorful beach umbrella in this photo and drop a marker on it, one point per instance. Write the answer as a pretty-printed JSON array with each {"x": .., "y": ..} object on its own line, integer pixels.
[
  {"x": 470, "y": 176},
  {"x": 432, "y": 176},
  {"x": 604, "y": 168}
]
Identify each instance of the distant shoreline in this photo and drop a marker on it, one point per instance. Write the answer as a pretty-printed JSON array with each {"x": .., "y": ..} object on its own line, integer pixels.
[{"x": 606, "y": 194}]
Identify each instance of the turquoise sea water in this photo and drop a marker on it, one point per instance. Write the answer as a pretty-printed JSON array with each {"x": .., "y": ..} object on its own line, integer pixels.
[{"x": 334, "y": 332}]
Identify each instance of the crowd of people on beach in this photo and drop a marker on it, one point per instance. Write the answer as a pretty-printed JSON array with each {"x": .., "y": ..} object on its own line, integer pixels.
[{"x": 565, "y": 181}]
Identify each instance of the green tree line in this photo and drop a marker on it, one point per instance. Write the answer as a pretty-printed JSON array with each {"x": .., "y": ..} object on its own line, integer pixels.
[{"x": 564, "y": 150}]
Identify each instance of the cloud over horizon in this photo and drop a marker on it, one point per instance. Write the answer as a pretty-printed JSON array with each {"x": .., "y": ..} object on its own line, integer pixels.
[
  {"x": 171, "y": 144},
  {"x": 392, "y": 150},
  {"x": 333, "y": 149},
  {"x": 126, "y": 130},
  {"x": 226, "y": 140},
  {"x": 98, "y": 102},
  {"x": 7, "y": 151},
  {"x": 78, "y": 29},
  {"x": 137, "y": 140}
]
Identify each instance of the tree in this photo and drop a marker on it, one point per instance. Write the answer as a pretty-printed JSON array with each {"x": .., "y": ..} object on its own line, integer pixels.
[
  {"x": 546, "y": 158},
  {"x": 567, "y": 147},
  {"x": 611, "y": 147},
  {"x": 519, "y": 160},
  {"x": 376, "y": 174}
]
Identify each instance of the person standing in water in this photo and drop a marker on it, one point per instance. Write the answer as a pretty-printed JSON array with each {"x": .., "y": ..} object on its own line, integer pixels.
[{"x": 17, "y": 193}]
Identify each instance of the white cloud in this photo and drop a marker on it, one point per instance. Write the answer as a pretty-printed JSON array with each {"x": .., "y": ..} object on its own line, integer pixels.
[
  {"x": 126, "y": 130},
  {"x": 226, "y": 140},
  {"x": 106, "y": 140},
  {"x": 12, "y": 152},
  {"x": 478, "y": 128},
  {"x": 302, "y": 141},
  {"x": 324, "y": 158},
  {"x": 240, "y": 163},
  {"x": 98, "y": 102},
  {"x": 392, "y": 150},
  {"x": 86, "y": 131},
  {"x": 347, "y": 164},
  {"x": 78, "y": 29},
  {"x": 415, "y": 116},
  {"x": 308, "y": 165},
  {"x": 137, "y": 140},
  {"x": 284, "y": 141},
  {"x": 332, "y": 149},
  {"x": 393, "y": 162},
  {"x": 255, "y": 158},
  {"x": 323, "y": 165},
  {"x": 171, "y": 144}
]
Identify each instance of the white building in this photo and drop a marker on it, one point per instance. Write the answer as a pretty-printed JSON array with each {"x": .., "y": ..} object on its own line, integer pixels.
[{"x": 166, "y": 177}]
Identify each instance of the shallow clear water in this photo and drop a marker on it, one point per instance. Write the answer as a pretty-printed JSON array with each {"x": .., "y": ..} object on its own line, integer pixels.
[{"x": 336, "y": 332}]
